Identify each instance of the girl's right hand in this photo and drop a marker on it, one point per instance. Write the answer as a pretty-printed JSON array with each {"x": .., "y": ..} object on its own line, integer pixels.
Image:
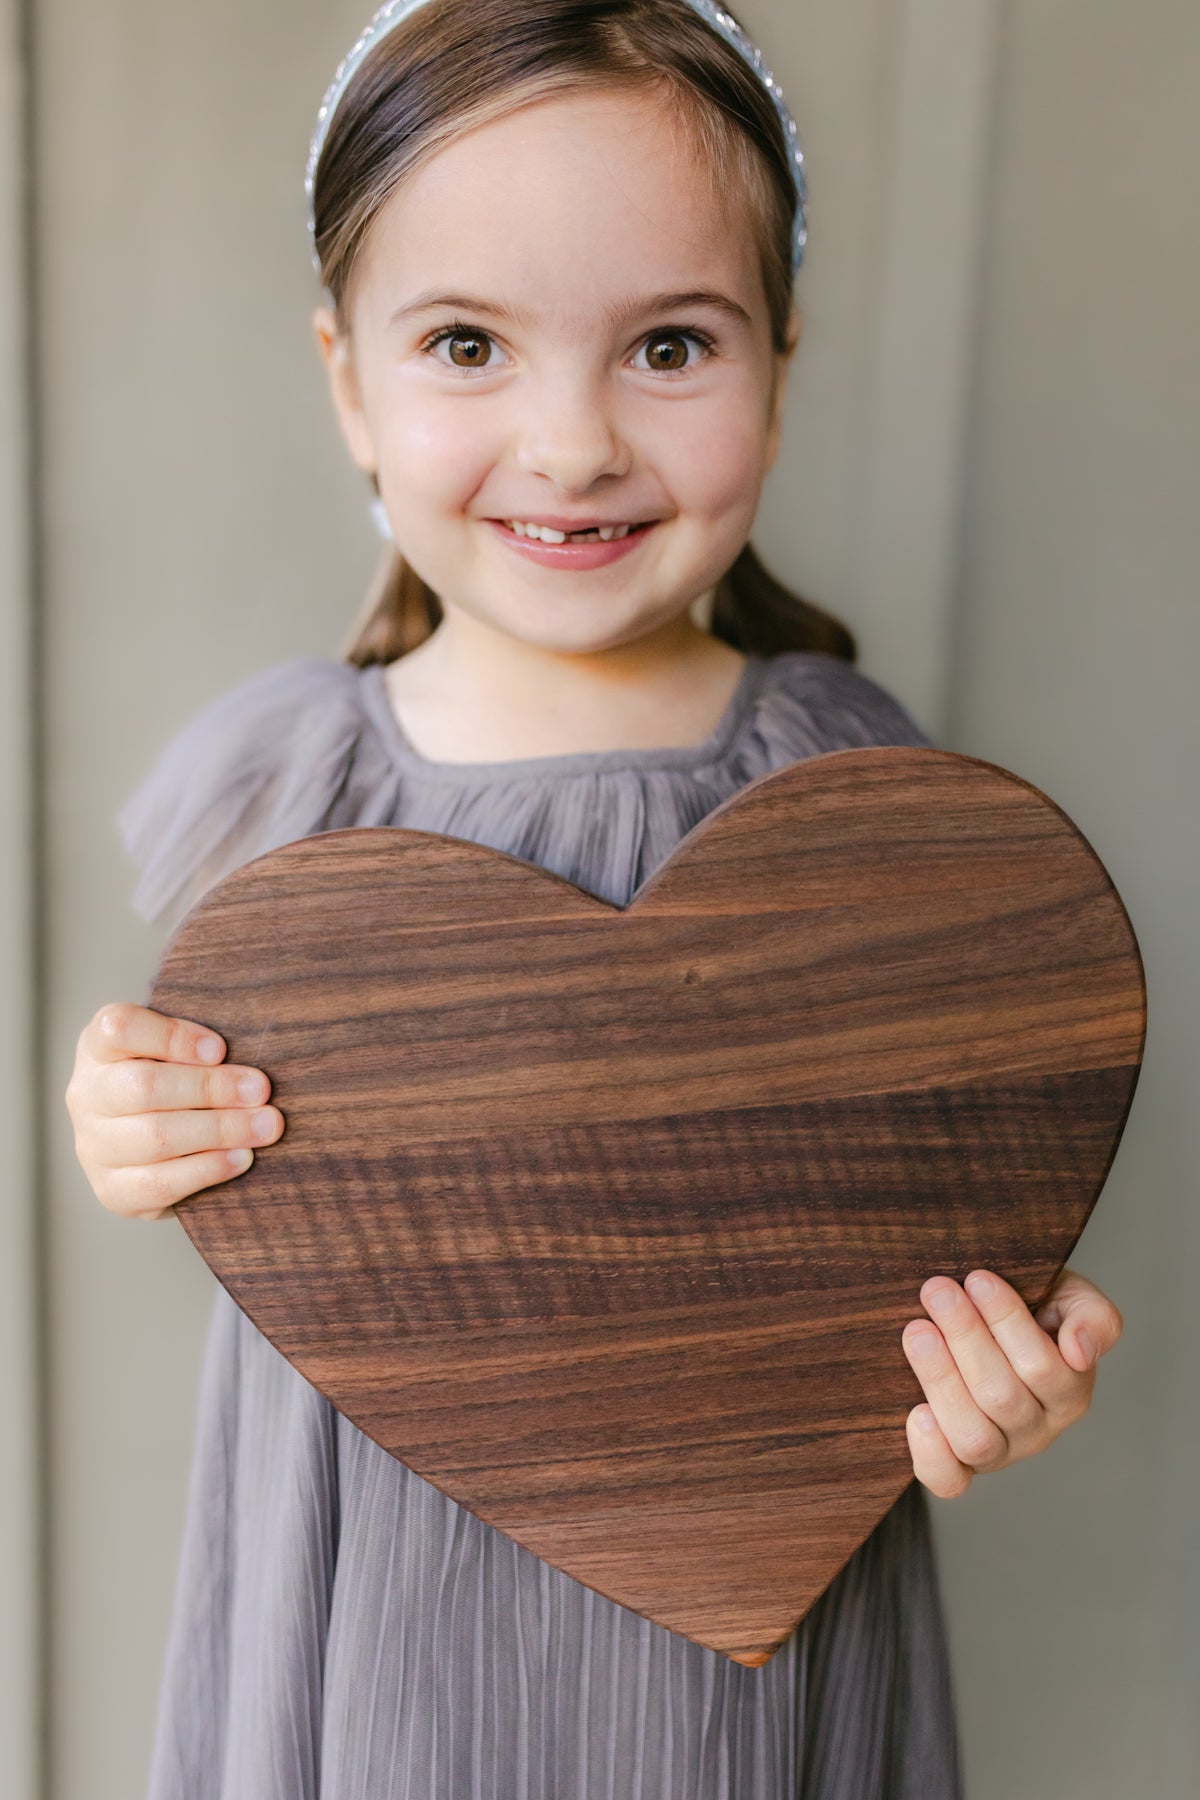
[{"x": 155, "y": 1118}]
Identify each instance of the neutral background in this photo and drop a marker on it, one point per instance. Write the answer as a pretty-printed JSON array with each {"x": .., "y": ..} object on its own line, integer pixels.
[{"x": 991, "y": 469}]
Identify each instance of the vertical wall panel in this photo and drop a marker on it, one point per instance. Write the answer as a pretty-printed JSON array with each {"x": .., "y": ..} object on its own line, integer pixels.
[
  {"x": 21, "y": 1493},
  {"x": 1074, "y": 1579},
  {"x": 893, "y": 105},
  {"x": 928, "y": 222},
  {"x": 201, "y": 521}
]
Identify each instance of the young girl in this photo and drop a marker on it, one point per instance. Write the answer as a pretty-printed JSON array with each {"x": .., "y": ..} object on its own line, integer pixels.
[{"x": 558, "y": 242}]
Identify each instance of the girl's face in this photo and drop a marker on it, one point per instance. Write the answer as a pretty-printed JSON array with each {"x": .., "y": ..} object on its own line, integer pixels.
[{"x": 556, "y": 321}]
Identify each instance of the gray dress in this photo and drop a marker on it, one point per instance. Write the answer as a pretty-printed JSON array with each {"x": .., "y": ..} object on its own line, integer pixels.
[{"x": 341, "y": 1629}]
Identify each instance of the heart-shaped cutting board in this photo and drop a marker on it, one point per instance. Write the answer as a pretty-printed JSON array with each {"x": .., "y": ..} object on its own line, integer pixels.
[{"x": 607, "y": 1221}]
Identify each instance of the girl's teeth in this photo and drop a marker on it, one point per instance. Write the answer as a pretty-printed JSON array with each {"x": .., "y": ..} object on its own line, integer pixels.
[{"x": 547, "y": 534}]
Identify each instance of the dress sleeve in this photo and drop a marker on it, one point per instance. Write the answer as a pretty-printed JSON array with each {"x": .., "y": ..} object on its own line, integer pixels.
[
  {"x": 824, "y": 703},
  {"x": 286, "y": 753}
]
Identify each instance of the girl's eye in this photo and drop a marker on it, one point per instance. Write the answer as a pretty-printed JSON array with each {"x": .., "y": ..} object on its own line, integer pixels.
[
  {"x": 470, "y": 349},
  {"x": 463, "y": 348},
  {"x": 666, "y": 352}
]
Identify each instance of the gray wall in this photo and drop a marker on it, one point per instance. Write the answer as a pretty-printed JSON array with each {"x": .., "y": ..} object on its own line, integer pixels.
[
  {"x": 991, "y": 447},
  {"x": 1074, "y": 1580},
  {"x": 21, "y": 1263}
]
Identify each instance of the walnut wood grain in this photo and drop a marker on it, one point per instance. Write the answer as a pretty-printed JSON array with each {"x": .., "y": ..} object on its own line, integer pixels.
[{"x": 607, "y": 1222}]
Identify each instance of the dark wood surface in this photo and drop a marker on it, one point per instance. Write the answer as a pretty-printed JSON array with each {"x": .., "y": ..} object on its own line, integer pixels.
[{"x": 607, "y": 1222}]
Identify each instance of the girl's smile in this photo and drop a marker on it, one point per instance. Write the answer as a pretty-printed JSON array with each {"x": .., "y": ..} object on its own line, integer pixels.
[{"x": 557, "y": 545}]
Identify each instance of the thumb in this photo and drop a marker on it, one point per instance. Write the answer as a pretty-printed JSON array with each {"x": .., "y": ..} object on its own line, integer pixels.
[{"x": 1084, "y": 1321}]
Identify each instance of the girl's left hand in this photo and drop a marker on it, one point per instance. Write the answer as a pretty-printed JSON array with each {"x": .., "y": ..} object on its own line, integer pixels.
[{"x": 1000, "y": 1384}]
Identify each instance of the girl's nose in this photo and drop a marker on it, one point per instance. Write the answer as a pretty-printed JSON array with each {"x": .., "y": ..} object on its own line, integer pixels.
[{"x": 569, "y": 434}]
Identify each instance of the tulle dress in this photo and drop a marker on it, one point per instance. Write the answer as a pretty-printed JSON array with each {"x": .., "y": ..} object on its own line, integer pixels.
[{"x": 343, "y": 1631}]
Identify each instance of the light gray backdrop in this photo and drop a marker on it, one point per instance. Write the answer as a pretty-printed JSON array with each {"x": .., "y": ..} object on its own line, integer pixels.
[{"x": 991, "y": 469}]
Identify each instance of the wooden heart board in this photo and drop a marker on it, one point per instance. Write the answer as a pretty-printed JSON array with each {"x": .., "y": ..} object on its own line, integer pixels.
[{"x": 607, "y": 1221}]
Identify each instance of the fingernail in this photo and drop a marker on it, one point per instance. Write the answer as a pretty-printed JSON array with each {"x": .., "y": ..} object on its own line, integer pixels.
[
  {"x": 941, "y": 1301},
  {"x": 209, "y": 1049},
  {"x": 925, "y": 1420},
  {"x": 262, "y": 1127},
  {"x": 922, "y": 1341},
  {"x": 250, "y": 1087},
  {"x": 1088, "y": 1345},
  {"x": 981, "y": 1284},
  {"x": 240, "y": 1159}
]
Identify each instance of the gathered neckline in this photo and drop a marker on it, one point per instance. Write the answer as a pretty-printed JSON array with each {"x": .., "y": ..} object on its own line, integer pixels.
[{"x": 565, "y": 762}]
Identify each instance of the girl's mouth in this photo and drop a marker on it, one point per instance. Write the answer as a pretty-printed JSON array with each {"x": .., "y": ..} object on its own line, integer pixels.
[{"x": 580, "y": 550}]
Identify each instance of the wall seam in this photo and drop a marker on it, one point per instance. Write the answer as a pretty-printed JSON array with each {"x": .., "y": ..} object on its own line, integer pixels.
[{"x": 37, "y": 941}]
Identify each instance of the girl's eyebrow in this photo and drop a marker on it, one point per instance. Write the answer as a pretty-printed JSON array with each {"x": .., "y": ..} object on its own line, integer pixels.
[{"x": 433, "y": 299}]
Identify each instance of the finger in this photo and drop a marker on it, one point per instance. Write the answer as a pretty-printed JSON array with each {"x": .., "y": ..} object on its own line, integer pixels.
[
  {"x": 161, "y": 1136},
  {"x": 1033, "y": 1353},
  {"x": 151, "y": 1191},
  {"x": 123, "y": 1029},
  {"x": 934, "y": 1462},
  {"x": 140, "y": 1086},
  {"x": 974, "y": 1438},
  {"x": 995, "y": 1386},
  {"x": 1084, "y": 1321}
]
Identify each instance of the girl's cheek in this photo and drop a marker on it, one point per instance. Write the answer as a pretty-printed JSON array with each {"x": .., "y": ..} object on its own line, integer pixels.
[
  {"x": 719, "y": 473},
  {"x": 409, "y": 405},
  {"x": 441, "y": 454}
]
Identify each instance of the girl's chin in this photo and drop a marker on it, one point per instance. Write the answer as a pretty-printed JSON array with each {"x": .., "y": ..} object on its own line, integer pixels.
[{"x": 590, "y": 630}]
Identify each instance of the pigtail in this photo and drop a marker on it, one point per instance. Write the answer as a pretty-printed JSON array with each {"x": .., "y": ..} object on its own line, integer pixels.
[
  {"x": 758, "y": 615},
  {"x": 399, "y": 612}
]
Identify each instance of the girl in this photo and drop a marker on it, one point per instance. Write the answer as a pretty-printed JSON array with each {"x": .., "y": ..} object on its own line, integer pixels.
[{"x": 558, "y": 242}]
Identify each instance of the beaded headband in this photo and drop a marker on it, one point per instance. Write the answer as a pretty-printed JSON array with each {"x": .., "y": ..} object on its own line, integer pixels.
[{"x": 722, "y": 22}]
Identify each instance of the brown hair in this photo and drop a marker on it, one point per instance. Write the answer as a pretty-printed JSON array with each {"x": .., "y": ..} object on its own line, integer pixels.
[{"x": 457, "y": 64}]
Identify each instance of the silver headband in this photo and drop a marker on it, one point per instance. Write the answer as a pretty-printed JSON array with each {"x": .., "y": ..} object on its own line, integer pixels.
[{"x": 723, "y": 23}]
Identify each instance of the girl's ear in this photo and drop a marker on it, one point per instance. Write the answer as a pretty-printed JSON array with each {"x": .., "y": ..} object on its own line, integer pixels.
[
  {"x": 336, "y": 353},
  {"x": 783, "y": 363}
]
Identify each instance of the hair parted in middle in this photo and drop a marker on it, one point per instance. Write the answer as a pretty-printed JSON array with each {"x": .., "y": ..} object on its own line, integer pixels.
[{"x": 455, "y": 65}]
